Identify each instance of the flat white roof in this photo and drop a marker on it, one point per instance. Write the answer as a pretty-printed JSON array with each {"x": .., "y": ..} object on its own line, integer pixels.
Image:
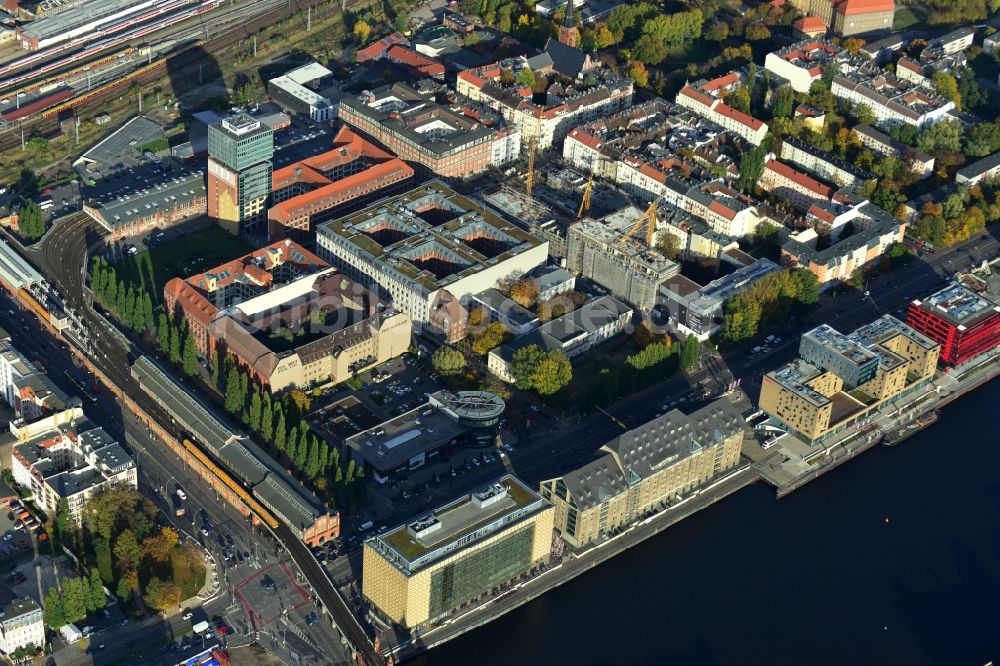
[{"x": 307, "y": 73}]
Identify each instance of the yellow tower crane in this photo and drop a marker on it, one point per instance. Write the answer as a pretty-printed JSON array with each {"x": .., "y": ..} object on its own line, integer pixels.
[
  {"x": 649, "y": 218},
  {"x": 530, "y": 179},
  {"x": 585, "y": 203}
]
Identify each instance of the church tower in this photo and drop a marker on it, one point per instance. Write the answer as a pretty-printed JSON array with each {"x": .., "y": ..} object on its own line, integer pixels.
[{"x": 568, "y": 34}]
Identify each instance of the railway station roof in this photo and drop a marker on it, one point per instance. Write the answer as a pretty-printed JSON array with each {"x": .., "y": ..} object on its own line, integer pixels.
[{"x": 15, "y": 271}]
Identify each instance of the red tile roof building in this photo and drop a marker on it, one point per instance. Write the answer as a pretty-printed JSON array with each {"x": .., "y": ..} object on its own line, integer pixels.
[
  {"x": 706, "y": 99},
  {"x": 793, "y": 186},
  {"x": 377, "y": 49},
  {"x": 288, "y": 317},
  {"x": 851, "y": 17},
  {"x": 333, "y": 183}
]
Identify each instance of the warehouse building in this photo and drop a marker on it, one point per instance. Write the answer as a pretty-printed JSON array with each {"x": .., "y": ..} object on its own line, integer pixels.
[
  {"x": 426, "y": 569},
  {"x": 429, "y": 242},
  {"x": 299, "y": 91},
  {"x": 159, "y": 205}
]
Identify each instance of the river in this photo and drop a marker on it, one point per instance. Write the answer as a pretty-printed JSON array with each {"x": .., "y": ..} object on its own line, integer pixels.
[{"x": 893, "y": 558}]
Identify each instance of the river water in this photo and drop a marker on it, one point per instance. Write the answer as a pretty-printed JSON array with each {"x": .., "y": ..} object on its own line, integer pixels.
[{"x": 893, "y": 558}]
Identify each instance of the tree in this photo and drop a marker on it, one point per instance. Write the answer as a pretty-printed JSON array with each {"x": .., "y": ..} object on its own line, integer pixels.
[
  {"x": 280, "y": 431},
  {"x": 489, "y": 338},
  {"x": 190, "y": 355},
  {"x": 740, "y": 99},
  {"x": 650, "y": 50},
  {"x": 524, "y": 292},
  {"x": 54, "y": 614},
  {"x": 784, "y": 102},
  {"x": 163, "y": 333},
  {"x": 215, "y": 369},
  {"x": 947, "y": 87},
  {"x": 31, "y": 222},
  {"x": 603, "y": 38},
  {"x": 448, "y": 361},
  {"x": 945, "y": 135},
  {"x": 127, "y": 551},
  {"x": 853, "y": 45},
  {"x": 234, "y": 400},
  {"x": 266, "y": 420},
  {"x": 255, "y": 410},
  {"x": 544, "y": 372},
  {"x": 669, "y": 245},
  {"x": 982, "y": 139},
  {"x": 717, "y": 31},
  {"x": 175, "y": 345},
  {"x": 64, "y": 522},
  {"x": 751, "y": 168},
  {"x": 128, "y": 316},
  {"x": 690, "y": 350},
  {"x": 362, "y": 31},
  {"x": 756, "y": 32},
  {"x": 526, "y": 78},
  {"x": 864, "y": 114},
  {"x": 74, "y": 597},
  {"x": 96, "y": 599},
  {"x": 312, "y": 458},
  {"x": 638, "y": 73}
]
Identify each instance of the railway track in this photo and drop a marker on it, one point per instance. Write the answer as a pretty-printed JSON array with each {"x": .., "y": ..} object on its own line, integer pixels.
[{"x": 47, "y": 124}]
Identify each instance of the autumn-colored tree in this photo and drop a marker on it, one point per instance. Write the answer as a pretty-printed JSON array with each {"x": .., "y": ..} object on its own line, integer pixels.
[
  {"x": 638, "y": 73},
  {"x": 362, "y": 31},
  {"x": 489, "y": 338},
  {"x": 853, "y": 45},
  {"x": 524, "y": 292}
]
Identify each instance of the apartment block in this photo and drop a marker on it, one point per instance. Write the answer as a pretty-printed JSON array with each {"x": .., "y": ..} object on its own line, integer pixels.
[
  {"x": 613, "y": 252},
  {"x": 452, "y": 141},
  {"x": 796, "y": 187},
  {"x": 824, "y": 165},
  {"x": 704, "y": 97},
  {"x": 428, "y": 241},
  {"x": 874, "y": 232},
  {"x": 841, "y": 379},
  {"x": 802, "y": 63},
  {"x": 72, "y": 462},
  {"x": 965, "y": 323},
  {"x": 979, "y": 171},
  {"x": 571, "y": 100},
  {"x": 883, "y": 144},
  {"x": 645, "y": 470},
  {"x": 892, "y": 100},
  {"x": 21, "y": 626},
  {"x": 426, "y": 569}
]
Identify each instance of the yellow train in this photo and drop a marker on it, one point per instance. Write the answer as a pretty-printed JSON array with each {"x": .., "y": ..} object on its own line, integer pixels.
[{"x": 248, "y": 499}]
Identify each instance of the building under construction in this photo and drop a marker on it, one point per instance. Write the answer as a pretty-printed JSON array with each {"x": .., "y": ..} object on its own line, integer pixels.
[{"x": 615, "y": 253}]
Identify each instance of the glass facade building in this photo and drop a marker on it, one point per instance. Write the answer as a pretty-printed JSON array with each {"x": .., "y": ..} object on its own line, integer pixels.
[{"x": 240, "y": 149}]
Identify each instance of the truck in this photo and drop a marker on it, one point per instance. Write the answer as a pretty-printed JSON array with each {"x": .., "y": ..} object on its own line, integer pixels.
[
  {"x": 200, "y": 628},
  {"x": 367, "y": 526}
]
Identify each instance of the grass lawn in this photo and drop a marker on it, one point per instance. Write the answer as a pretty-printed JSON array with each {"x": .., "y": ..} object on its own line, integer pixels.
[
  {"x": 906, "y": 18},
  {"x": 187, "y": 255}
]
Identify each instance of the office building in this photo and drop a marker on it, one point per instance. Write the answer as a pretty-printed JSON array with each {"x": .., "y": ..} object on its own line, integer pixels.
[
  {"x": 239, "y": 173},
  {"x": 73, "y": 462},
  {"x": 288, "y": 318},
  {"x": 645, "y": 470},
  {"x": 21, "y": 626},
  {"x": 427, "y": 242},
  {"x": 427, "y": 434},
  {"x": 842, "y": 379},
  {"x": 423, "y": 571},
  {"x": 573, "y": 334},
  {"x": 875, "y": 231},
  {"x": 613, "y": 253},
  {"x": 299, "y": 91},
  {"x": 965, "y": 323},
  {"x": 705, "y": 97},
  {"x": 456, "y": 141},
  {"x": 699, "y": 310},
  {"x": 351, "y": 174}
]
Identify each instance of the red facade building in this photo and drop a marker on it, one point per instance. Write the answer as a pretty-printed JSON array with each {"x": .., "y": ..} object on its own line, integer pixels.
[{"x": 964, "y": 322}]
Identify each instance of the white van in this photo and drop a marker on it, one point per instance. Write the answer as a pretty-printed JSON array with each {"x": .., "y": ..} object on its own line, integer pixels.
[{"x": 180, "y": 494}]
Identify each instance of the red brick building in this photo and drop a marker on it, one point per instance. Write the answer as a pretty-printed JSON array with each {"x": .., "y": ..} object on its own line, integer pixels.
[
  {"x": 965, "y": 323},
  {"x": 330, "y": 184}
]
